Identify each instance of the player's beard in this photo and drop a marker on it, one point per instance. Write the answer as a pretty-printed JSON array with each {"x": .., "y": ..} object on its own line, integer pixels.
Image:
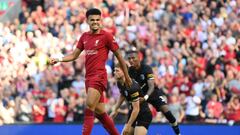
[{"x": 135, "y": 64}]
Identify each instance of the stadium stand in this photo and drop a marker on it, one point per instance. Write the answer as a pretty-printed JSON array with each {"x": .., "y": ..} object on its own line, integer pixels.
[{"x": 193, "y": 47}]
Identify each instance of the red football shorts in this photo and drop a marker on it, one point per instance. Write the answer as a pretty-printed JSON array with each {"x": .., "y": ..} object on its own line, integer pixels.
[{"x": 99, "y": 85}]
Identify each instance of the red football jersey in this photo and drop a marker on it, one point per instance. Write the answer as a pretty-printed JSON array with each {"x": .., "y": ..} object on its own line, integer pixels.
[{"x": 96, "y": 47}]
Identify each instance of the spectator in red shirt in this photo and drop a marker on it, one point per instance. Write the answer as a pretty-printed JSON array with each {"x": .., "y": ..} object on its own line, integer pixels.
[
  {"x": 60, "y": 111},
  {"x": 214, "y": 109},
  {"x": 233, "y": 109},
  {"x": 36, "y": 92},
  {"x": 185, "y": 86},
  {"x": 230, "y": 54},
  {"x": 38, "y": 111}
]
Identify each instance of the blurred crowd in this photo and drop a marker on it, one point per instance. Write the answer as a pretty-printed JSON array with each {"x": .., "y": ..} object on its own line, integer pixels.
[{"x": 193, "y": 47}]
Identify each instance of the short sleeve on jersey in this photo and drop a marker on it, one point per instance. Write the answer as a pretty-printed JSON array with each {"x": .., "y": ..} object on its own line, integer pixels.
[
  {"x": 80, "y": 44},
  {"x": 149, "y": 73},
  {"x": 134, "y": 93},
  {"x": 111, "y": 44},
  {"x": 134, "y": 96},
  {"x": 150, "y": 76}
]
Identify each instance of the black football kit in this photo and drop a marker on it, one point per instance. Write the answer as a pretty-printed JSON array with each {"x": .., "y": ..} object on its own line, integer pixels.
[{"x": 133, "y": 94}]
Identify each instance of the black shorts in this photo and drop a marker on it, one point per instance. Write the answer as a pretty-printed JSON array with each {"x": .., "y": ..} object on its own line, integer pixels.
[
  {"x": 143, "y": 119},
  {"x": 156, "y": 100}
]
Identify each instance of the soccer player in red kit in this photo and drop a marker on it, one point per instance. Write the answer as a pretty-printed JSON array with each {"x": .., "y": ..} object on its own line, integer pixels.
[{"x": 96, "y": 44}]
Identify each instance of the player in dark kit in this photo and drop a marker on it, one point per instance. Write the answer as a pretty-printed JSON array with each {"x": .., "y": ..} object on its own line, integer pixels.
[
  {"x": 96, "y": 43},
  {"x": 139, "y": 116},
  {"x": 143, "y": 74}
]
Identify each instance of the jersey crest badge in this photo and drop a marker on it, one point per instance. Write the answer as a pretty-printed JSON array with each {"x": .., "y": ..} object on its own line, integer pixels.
[
  {"x": 96, "y": 43},
  {"x": 142, "y": 76}
]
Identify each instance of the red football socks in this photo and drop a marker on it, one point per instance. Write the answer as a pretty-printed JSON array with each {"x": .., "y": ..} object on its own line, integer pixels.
[
  {"x": 88, "y": 122},
  {"x": 107, "y": 123}
]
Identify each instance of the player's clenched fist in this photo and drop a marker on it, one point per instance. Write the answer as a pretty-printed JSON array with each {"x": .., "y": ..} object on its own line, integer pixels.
[
  {"x": 114, "y": 114},
  {"x": 127, "y": 129},
  {"x": 53, "y": 61}
]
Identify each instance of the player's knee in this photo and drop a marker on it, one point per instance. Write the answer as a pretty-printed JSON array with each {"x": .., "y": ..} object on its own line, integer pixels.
[
  {"x": 140, "y": 130},
  {"x": 164, "y": 108},
  {"x": 100, "y": 108},
  {"x": 90, "y": 105},
  {"x": 93, "y": 97}
]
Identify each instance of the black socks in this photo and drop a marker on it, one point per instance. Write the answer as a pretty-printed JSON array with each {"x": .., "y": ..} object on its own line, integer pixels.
[{"x": 173, "y": 122}]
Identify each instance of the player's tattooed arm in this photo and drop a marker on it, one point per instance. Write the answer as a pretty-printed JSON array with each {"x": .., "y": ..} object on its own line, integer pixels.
[
  {"x": 150, "y": 88},
  {"x": 150, "y": 82}
]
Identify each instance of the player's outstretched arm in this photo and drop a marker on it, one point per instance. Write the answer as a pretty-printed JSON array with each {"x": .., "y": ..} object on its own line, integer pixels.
[
  {"x": 71, "y": 57},
  {"x": 150, "y": 81},
  {"x": 123, "y": 67},
  {"x": 117, "y": 106},
  {"x": 150, "y": 88},
  {"x": 134, "y": 114}
]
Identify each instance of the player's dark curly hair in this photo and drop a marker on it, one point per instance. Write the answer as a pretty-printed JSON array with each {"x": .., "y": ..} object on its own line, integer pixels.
[{"x": 93, "y": 11}]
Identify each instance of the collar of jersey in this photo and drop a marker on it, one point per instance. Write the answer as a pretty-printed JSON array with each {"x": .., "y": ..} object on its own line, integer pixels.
[{"x": 100, "y": 33}]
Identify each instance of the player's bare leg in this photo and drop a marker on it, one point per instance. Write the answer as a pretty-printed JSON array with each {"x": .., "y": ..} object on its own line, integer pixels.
[
  {"x": 92, "y": 100},
  {"x": 93, "y": 97},
  {"x": 140, "y": 130}
]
